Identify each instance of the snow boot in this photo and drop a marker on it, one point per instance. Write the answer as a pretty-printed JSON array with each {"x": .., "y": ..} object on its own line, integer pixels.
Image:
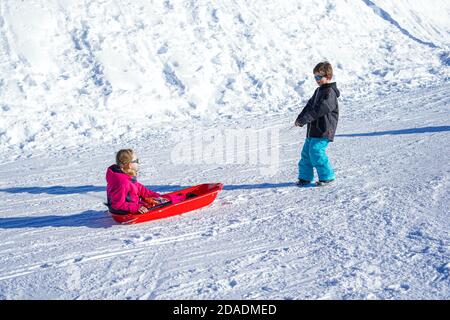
[
  {"x": 323, "y": 183},
  {"x": 302, "y": 183}
]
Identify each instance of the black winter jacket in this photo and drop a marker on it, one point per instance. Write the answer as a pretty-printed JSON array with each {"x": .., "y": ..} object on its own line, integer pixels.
[{"x": 321, "y": 113}]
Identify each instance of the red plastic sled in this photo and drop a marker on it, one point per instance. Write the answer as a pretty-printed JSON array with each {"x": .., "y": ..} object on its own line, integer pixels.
[{"x": 196, "y": 197}]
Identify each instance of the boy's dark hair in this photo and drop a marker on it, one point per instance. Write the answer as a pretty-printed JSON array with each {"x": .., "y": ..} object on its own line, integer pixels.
[{"x": 324, "y": 69}]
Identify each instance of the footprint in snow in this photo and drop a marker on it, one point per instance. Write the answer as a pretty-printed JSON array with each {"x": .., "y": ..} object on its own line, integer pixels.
[
  {"x": 209, "y": 233},
  {"x": 397, "y": 288},
  {"x": 46, "y": 265}
]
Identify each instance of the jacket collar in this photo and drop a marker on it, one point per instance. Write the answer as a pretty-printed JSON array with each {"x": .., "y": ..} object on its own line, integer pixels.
[
  {"x": 116, "y": 169},
  {"x": 331, "y": 85}
]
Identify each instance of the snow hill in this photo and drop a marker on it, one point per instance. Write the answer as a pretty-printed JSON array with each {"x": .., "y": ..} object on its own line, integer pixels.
[
  {"x": 82, "y": 79},
  {"x": 74, "y": 72}
]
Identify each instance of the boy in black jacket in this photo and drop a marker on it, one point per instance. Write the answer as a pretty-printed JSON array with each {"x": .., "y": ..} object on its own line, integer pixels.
[{"x": 321, "y": 115}]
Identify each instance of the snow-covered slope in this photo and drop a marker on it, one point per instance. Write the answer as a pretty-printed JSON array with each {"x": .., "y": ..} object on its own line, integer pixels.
[
  {"x": 381, "y": 232},
  {"x": 73, "y": 72},
  {"x": 82, "y": 79}
]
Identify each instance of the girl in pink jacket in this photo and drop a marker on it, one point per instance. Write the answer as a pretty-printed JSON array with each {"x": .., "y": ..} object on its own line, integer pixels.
[{"x": 126, "y": 195}]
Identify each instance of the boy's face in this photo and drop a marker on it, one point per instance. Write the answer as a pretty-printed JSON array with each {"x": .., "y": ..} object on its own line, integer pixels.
[{"x": 320, "y": 80}]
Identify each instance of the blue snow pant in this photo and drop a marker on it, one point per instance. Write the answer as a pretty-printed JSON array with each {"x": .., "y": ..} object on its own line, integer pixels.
[{"x": 314, "y": 156}]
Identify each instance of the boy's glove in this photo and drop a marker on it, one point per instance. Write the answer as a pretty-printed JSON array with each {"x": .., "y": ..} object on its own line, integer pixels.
[{"x": 298, "y": 124}]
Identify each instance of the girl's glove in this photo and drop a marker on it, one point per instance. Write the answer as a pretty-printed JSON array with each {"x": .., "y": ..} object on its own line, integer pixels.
[
  {"x": 142, "y": 210},
  {"x": 154, "y": 201}
]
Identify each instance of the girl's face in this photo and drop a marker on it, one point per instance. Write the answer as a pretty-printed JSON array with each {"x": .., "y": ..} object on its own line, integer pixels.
[
  {"x": 320, "y": 80},
  {"x": 134, "y": 165}
]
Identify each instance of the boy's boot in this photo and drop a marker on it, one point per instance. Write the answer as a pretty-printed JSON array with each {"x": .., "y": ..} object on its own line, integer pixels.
[
  {"x": 322, "y": 183},
  {"x": 302, "y": 183}
]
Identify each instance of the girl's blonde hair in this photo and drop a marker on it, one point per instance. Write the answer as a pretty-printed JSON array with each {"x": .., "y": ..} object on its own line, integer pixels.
[{"x": 124, "y": 157}]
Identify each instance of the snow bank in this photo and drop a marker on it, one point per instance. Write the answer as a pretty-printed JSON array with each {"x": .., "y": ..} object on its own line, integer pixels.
[{"x": 77, "y": 73}]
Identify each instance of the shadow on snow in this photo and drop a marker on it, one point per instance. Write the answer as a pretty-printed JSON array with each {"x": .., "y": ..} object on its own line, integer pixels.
[
  {"x": 158, "y": 188},
  {"x": 90, "y": 219},
  {"x": 397, "y": 132}
]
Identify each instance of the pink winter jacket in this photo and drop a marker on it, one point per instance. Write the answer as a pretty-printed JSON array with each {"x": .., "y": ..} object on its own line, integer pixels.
[{"x": 124, "y": 192}]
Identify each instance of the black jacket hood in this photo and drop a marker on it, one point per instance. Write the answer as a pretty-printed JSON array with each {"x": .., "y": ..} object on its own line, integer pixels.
[{"x": 332, "y": 86}]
